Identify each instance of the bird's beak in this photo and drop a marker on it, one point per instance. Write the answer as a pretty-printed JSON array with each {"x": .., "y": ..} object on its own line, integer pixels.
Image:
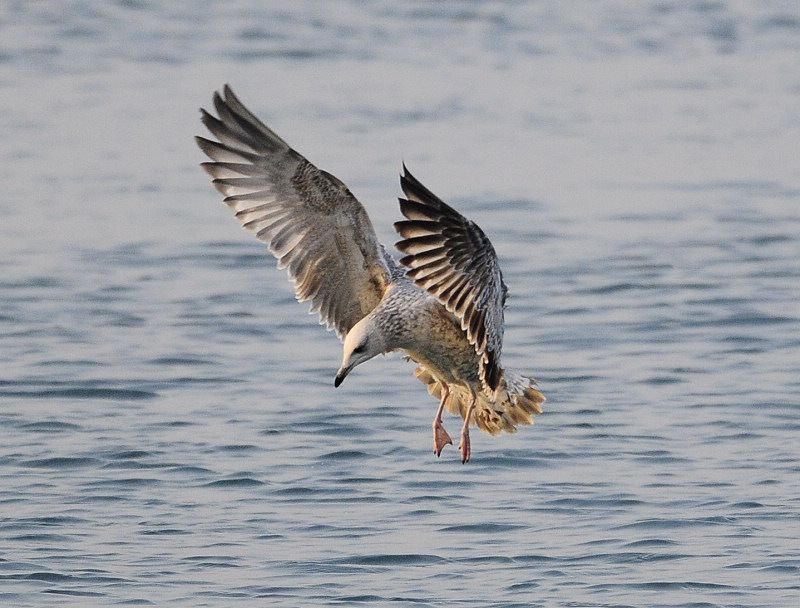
[{"x": 341, "y": 375}]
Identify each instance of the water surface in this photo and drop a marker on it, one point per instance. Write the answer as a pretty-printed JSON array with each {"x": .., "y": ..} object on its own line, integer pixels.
[{"x": 169, "y": 428}]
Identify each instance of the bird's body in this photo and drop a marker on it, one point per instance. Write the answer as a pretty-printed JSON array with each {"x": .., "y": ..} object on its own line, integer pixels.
[
  {"x": 443, "y": 307},
  {"x": 442, "y": 348}
]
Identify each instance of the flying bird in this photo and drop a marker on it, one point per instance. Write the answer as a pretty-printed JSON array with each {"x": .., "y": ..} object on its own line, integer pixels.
[{"x": 442, "y": 304}]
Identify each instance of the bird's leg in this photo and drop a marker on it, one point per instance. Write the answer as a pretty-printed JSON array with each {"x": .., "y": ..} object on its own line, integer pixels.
[
  {"x": 464, "y": 444},
  {"x": 440, "y": 436}
]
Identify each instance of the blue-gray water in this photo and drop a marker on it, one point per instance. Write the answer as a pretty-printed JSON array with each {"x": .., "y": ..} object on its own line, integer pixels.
[{"x": 169, "y": 430}]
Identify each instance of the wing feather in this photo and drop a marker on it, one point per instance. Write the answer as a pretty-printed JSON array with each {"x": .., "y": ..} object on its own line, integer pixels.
[
  {"x": 451, "y": 258},
  {"x": 311, "y": 222}
]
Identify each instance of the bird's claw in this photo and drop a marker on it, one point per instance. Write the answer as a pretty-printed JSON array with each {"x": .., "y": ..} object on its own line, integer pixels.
[
  {"x": 440, "y": 438},
  {"x": 464, "y": 446}
]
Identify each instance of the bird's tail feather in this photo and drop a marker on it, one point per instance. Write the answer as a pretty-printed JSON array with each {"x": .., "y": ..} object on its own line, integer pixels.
[{"x": 517, "y": 401}]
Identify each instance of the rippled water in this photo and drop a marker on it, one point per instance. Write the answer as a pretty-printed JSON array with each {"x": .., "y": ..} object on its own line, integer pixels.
[{"x": 169, "y": 431}]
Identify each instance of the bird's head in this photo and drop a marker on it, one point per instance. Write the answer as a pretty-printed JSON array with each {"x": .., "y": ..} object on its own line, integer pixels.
[{"x": 361, "y": 344}]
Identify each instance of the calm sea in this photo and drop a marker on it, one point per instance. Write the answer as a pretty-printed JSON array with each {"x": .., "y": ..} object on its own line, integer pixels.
[{"x": 169, "y": 430}]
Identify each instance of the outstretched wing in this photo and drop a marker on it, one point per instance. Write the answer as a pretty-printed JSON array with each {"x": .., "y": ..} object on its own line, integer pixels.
[
  {"x": 452, "y": 259},
  {"x": 313, "y": 225}
]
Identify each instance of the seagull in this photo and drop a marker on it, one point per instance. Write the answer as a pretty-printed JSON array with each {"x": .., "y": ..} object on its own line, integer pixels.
[{"x": 442, "y": 305}]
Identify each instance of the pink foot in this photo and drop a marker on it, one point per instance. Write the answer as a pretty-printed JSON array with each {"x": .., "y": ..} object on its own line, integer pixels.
[
  {"x": 440, "y": 437},
  {"x": 464, "y": 445}
]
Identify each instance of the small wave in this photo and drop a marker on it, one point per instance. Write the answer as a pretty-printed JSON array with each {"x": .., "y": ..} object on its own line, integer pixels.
[
  {"x": 113, "y": 394},
  {"x": 62, "y": 462},
  {"x": 483, "y": 528},
  {"x": 50, "y": 426},
  {"x": 395, "y": 559},
  {"x": 236, "y": 482}
]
